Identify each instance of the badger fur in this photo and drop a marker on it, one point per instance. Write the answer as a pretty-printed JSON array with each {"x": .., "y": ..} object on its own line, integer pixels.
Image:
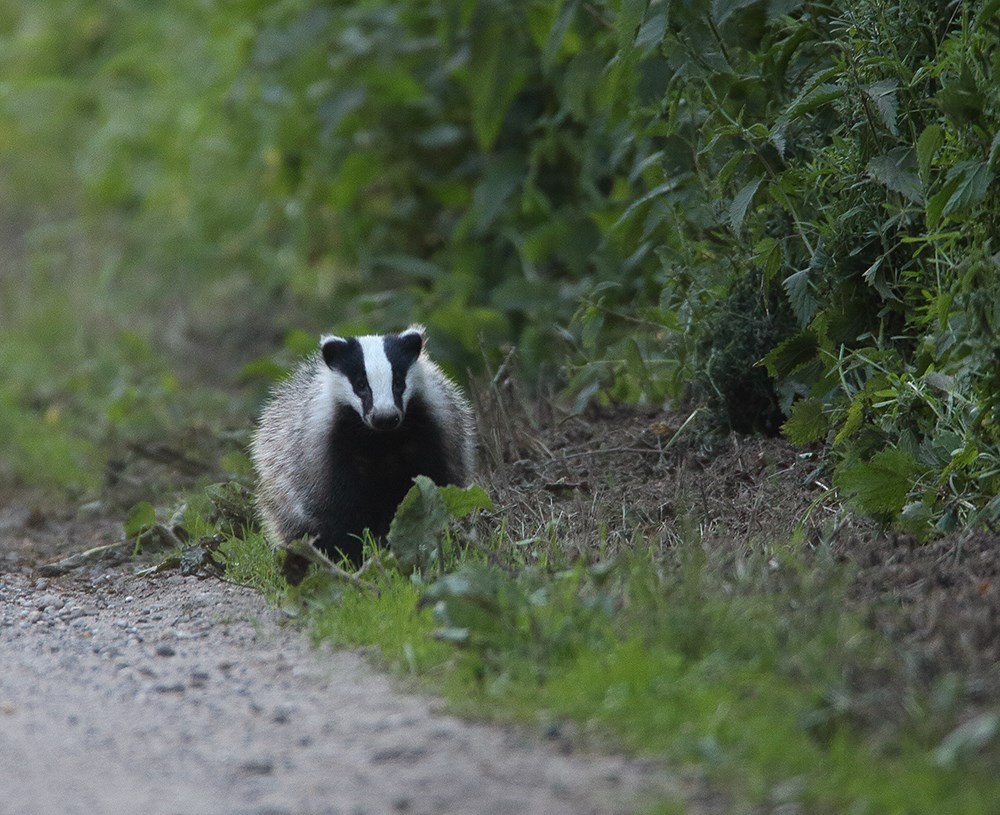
[{"x": 340, "y": 441}]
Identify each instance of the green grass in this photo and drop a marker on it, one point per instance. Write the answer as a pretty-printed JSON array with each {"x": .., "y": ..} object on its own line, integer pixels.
[
  {"x": 40, "y": 449},
  {"x": 759, "y": 682}
]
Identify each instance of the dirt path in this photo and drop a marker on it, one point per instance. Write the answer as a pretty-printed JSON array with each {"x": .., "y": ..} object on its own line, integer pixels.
[{"x": 178, "y": 695}]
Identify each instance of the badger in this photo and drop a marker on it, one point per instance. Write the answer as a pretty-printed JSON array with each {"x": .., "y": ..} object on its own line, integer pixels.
[{"x": 340, "y": 441}]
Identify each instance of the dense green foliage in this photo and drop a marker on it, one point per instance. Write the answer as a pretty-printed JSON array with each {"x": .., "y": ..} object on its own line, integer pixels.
[{"x": 648, "y": 198}]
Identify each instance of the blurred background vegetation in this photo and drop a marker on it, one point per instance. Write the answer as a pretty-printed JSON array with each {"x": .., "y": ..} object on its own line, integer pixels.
[{"x": 782, "y": 210}]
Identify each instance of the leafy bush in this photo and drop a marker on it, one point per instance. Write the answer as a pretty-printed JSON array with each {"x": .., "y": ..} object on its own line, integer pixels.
[{"x": 648, "y": 198}]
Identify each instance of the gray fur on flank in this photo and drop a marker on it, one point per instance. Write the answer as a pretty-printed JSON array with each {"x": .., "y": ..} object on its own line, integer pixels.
[{"x": 329, "y": 468}]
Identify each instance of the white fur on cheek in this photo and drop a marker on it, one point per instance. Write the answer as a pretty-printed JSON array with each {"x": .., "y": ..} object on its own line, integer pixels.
[
  {"x": 414, "y": 383},
  {"x": 334, "y": 389}
]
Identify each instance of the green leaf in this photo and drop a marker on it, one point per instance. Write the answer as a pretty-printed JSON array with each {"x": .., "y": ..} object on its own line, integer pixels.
[
  {"x": 916, "y": 516},
  {"x": 140, "y": 518},
  {"x": 975, "y": 178},
  {"x": 503, "y": 176},
  {"x": 474, "y": 606},
  {"x": 883, "y": 94},
  {"x": 809, "y": 100},
  {"x": 461, "y": 501},
  {"x": 651, "y": 33},
  {"x": 419, "y": 523},
  {"x": 987, "y": 14},
  {"x": 895, "y": 171},
  {"x": 936, "y": 203},
  {"x": 994, "y": 149},
  {"x": 554, "y": 41},
  {"x": 496, "y": 73},
  {"x": 808, "y": 422},
  {"x": 630, "y": 15},
  {"x": 769, "y": 255},
  {"x": 656, "y": 192},
  {"x": 722, "y": 10},
  {"x": 791, "y": 354},
  {"x": 800, "y": 295},
  {"x": 880, "y": 486},
  {"x": 579, "y": 80},
  {"x": 853, "y": 420},
  {"x": 928, "y": 144},
  {"x": 741, "y": 202}
]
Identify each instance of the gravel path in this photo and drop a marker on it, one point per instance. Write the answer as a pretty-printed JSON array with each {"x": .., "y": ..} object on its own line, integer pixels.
[{"x": 177, "y": 695}]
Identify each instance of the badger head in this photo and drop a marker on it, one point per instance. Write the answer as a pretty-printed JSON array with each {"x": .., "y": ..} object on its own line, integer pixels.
[{"x": 376, "y": 373}]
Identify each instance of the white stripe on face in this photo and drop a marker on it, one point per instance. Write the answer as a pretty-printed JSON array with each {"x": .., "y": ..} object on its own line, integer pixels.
[{"x": 379, "y": 373}]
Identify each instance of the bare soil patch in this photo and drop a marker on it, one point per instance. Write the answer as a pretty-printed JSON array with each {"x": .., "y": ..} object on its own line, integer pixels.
[{"x": 622, "y": 474}]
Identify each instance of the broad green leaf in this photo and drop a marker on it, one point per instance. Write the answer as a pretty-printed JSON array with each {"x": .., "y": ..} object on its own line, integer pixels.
[
  {"x": 418, "y": 525},
  {"x": 880, "y": 486},
  {"x": 779, "y": 8},
  {"x": 741, "y": 202},
  {"x": 895, "y": 171},
  {"x": 936, "y": 203},
  {"x": 580, "y": 77},
  {"x": 504, "y": 175},
  {"x": 651, "y": 33},
  {"x": 791, "y": 354},
  {"x": 928, "y": 144},
  {"x": 852, "y": 422},
  {"x": 723, "y": 9},
  {"x": 769, "y": 255},
  {"x": 800, "y": 295},
  {"x": 916, "y": 516},
  {"x": 975, "y": 178},
  {"x": 656, "y": 192},
  {"x": 811, "y": 99},
  {"x": 630, "y": 15},
  {"x": 460, "y": 501},
  {"x": 883, "y": 94},
  {"x": 496, "y": 73},
  {"x": 473, "y": 606},
  {"x": 557, "y": 34},
  {"x": 808, "y": 422}
]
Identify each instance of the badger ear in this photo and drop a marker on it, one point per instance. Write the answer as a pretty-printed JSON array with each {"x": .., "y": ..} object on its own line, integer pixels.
[
  {"x": 334, "y": 350},
  {"x": 413, "y": 340}
]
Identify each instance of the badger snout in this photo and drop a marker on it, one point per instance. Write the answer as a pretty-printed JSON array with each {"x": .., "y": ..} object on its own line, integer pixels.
[{"x": 385, "y": 419}]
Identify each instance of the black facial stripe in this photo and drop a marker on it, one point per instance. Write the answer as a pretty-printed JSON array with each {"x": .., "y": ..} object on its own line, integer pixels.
[
  {"x": 402, "y": 351},
  {"x": 345, "y": 356}
]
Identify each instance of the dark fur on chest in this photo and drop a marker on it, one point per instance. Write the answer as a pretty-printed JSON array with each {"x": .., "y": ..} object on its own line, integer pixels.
[{"x": 370, "y": 472}]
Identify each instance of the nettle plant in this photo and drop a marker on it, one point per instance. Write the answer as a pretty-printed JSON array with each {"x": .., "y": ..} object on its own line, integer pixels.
[{"x": 842, "y": 155}]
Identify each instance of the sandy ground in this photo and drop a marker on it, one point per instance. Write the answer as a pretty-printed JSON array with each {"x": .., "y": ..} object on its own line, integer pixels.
[{"x": 171, "y": 694}]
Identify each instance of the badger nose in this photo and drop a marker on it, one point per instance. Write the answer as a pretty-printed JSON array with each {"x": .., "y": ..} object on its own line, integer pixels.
[{"x": 385, "y": 419}]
